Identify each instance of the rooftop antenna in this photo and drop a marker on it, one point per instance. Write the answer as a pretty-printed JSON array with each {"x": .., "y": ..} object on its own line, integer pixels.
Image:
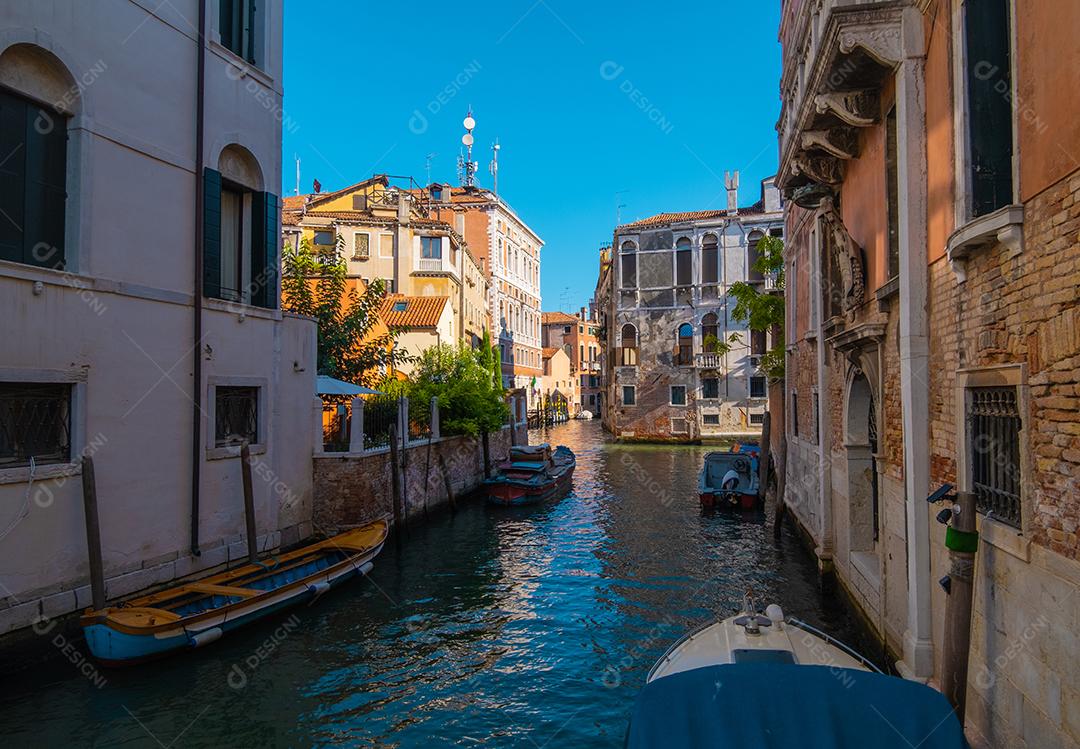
[
  {"x": 619, "y": 206},
  {"x": 427, "y": 166},
  {"x": 297, "y": 158},
  {"x": 466, "y": 165},
  {"x": 494, "y": 166}
]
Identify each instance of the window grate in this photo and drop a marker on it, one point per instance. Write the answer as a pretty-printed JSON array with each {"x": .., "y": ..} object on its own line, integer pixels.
[
  {"x": 994, "y": 446},
  {"x": 35, "y": 422},
  {"x": 236, "y": 415}
]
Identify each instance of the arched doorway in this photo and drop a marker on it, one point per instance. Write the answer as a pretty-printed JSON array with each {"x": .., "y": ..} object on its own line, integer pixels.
[{"x": 860, "y": 442}]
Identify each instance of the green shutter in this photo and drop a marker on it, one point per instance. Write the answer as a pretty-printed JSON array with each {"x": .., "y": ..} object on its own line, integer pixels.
[
  {"x": 270, "y": 247},
  {"x": 211, "y": 239},
  {"x": 12, "y": 176}
]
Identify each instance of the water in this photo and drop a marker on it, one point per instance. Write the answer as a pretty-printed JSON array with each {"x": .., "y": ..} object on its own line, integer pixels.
[{"x": 529, "y": 627}]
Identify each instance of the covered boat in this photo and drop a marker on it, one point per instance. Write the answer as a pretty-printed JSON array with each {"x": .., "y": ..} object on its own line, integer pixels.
[
  {"x": 533, "y": 473},
  {"x": 730, "y": 479},
  {"x": 198, "y": 613},
  {"x": 761, "y": 681}
]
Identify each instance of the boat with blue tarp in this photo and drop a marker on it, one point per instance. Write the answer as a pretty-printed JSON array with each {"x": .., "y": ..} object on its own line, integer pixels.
[{"x": 532, "y": 474}]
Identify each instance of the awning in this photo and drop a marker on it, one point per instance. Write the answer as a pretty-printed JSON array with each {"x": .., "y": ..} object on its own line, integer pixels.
[{"x": 329, "y": 386}]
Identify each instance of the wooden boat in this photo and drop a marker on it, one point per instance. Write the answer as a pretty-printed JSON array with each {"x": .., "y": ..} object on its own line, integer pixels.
[
  {"x": 533, "y": 474},
  {"x": 198, "y": 613},
  {"x": 743, "y": 460},
  {"x": 760, "y": 681}
]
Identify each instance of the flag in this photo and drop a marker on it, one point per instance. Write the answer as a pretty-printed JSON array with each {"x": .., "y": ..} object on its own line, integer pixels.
[{"x": 317, "y": 186}]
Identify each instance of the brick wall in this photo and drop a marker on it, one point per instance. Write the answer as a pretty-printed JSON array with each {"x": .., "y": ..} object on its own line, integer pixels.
[{"x": 354, "y": 489}]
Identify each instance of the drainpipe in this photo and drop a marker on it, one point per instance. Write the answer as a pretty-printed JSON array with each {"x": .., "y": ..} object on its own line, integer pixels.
[{"x": 197, "y": 333}]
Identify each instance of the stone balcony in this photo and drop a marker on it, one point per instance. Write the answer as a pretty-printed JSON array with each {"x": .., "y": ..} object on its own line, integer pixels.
[
  {"x": 434, "y": 265},
  {"x": 708, "y": 360}
]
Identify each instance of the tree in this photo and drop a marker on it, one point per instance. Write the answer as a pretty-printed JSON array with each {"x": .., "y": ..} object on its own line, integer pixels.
[
  {"x": 764, "y": 310},
  {"x": 315, "y": 284},
  {"x": 470, "y": 401}
]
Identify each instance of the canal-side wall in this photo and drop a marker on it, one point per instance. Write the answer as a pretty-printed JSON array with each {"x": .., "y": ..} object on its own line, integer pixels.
[{"x": 355, "y": 488}]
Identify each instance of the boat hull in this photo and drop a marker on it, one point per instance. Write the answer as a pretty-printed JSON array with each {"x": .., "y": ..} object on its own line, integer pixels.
[
  {"x": 514, "y": 494},
  {"x": 733, "y": 501}
]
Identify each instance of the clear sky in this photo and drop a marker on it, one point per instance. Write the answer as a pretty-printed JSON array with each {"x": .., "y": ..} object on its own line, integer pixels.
[{"x": 595, "y": 104}]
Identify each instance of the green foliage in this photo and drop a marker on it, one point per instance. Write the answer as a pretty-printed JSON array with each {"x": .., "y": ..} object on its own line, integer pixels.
[
  {"x": 470, "y": 399},
  {"x": 764, "y": 310},
  {"x": 315, "y": 284}
]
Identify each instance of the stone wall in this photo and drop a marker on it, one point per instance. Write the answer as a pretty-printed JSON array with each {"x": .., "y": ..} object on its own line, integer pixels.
[{"x": 352, "y": 489}]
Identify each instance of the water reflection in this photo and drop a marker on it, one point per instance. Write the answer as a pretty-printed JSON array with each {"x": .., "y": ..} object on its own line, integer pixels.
[{"x": 501, "y": 627}]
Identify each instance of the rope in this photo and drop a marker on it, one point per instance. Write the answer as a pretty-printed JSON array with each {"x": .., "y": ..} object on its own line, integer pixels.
[{"x": 25, "y": 509}]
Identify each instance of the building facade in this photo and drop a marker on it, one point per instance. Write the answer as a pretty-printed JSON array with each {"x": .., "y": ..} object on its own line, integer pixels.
[
  {"x": 932, "y": 273},
  {"x": 578, "y": 335},
  {"x": 389, "y": 233},
  {"x": 139, "y": 298},
  {"x": 677, "y": 365},
  {"x": 510, "y": 253}
]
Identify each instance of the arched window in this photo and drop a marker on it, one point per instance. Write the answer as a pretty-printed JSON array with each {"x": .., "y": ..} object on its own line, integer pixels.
[
  {"x": 752, "y": 274},
  {"x": 710, "y": 259},
  {"x": 684, "y": 356},
  {"x": 628, "y": 262},
  {"x": 684, "y": 274},
  {"x": 629, "y": 345},
  {"x": 710, "y": 333}
]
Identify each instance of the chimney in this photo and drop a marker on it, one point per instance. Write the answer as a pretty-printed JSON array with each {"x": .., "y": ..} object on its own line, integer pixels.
[
  {"x": 403, "y": 209},
  {"x": 732, "y": 184},
  {"x": 581, "y": 315}
]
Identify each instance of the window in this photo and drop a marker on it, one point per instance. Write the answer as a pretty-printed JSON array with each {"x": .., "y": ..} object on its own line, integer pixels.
[
  {"x": 241, "y": 240},
  {"x": 679, "y": 425},
  {"x": 400, "y": 306},
  {"x": 752, "y": 255},
  {"x": 989, "y": 131},
  {"x": 235, "y": 241},
  {"x": 566, "y": 329},
  {"x": 386, "y": 245},
  {"x": 33, "y": 174},
  {"x": 892, "y": 192},
  {"x": 710, "y": 387},
  {"x": 684, "y": 354},
  {"x": 678, "y": 395},
  {"x": 431, "y": 247},
  {"x": 757, "y": 342},
  {"x": 628, "y": 261},
  {"x": 388, "y": 285},
  {"x": 629, "y": 395},
  {"x": 629, "y": 346},
  {"x": 993, "y": 437},
  {"x": 711, "y": 420},
  {"x": 710, "y": 333},
  {"x": 710, "y": 259},
  {"x": 361, "y": 246},
  {"x": 794, "y": 414},
  {"x": 683, "y": 263},
  {"x": 35, "y": 423},
  {"x": 237, "y": 26},
  {"x": 758, "y": 387},
  {"x": 324, "y": 238},
  {"x": 236, "y": 415},
  {"x": 757, "y": 419}
]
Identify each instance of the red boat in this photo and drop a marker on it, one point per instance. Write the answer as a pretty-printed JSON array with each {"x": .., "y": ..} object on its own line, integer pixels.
[
  {"x": 730, "y": 479},
  {"x": 533, "y": 474}
]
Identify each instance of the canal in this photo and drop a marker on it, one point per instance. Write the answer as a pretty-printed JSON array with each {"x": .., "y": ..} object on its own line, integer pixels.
[{"x": 526, "y": 627}]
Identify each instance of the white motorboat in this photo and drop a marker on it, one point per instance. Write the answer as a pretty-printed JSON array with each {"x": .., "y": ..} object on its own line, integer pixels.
[
  {"x": 764, "y": 681},
  {"x": 586, "y": 415}
]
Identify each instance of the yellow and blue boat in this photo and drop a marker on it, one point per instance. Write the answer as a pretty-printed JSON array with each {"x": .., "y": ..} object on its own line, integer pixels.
[{"x": 198, "y": 613}]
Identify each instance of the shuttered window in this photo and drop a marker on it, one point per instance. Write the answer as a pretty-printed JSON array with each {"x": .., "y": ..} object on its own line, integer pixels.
[
  {"x": 33, "y": 172},
  {"x": 237, "y": 25},
  {"x": 989, "y": 93},
  {"x": 240, "y": 243}
]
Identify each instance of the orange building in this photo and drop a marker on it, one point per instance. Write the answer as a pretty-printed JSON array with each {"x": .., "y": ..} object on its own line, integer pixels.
[{"x": 929, "y": 153}]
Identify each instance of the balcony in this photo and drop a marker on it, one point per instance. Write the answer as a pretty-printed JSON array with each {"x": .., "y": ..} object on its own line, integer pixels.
[
  {"x": 433, "y": 265},
  {"x": 709, "y": 361}
]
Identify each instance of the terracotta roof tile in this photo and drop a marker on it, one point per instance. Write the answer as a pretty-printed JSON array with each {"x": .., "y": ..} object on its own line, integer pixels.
[
  {"x": 556, "y": 317},
  {"x": 550, "y": 352},
  {"x": 664, "y": 219},
  {"x": 418, "y": 312}
]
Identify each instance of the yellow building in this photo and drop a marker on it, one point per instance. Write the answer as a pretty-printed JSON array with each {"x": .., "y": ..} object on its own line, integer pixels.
[{"x": 387, "y": 233}]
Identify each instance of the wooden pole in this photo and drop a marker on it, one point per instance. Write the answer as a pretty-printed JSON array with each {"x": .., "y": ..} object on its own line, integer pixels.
[
  {"x": 447, "y": 486},
  {"x": 954, "y": 662},
  {"x": 781, "y": 486},
  {"x": 763, "y": 457},
  {"x": 395, "y": 481},
  {"x": 249, "y": 502},
  {"x": 93, "y": 534},
  {"x": 427, "y": 471}
]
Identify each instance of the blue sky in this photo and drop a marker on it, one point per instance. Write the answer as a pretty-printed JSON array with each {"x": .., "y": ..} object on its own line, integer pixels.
[{"x": 588, "y": 99}]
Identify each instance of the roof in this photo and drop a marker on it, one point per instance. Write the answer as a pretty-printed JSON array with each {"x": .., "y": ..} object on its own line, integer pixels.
[
  {"x": 776, "y": 704},
  {"x": 419, "y": 311},
  {"x": 549, "y": 352},
  {"x": 663, "y": 219},
  {"x": 556, "y": 317}
]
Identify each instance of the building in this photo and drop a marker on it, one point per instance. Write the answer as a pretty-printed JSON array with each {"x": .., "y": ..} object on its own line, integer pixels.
[
  {"x": 139, "y": 297},
  {"x": 424, "y": 322},
  {"x": 578, "y": 336},
  {"x": 510, "y": 253},
  {"x": 559, "y": 385},
  {"x": 389, "y": 233},
  {"x": 679, "y": 367},
  {"x": 933, "y": 318}
]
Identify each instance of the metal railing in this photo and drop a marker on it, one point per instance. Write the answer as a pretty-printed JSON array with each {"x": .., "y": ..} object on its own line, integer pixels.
[{"x": 379, "y": 414}]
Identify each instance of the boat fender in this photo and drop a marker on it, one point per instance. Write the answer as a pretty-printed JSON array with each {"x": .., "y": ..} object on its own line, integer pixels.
[
  {"x": 317, "y": 589},
  {"x": 774, "y": 612},
  {"x": 205, "y": 637},
  {"x": 366, "y": 567}
]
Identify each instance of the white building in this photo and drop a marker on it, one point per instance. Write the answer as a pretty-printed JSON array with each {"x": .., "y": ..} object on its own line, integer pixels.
[{"x": 126, "y": 333}]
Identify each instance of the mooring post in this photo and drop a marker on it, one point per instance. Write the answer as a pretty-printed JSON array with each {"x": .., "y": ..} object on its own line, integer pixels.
[
  {"x": 781, "y": 487},
  {"x": 487, "y": 454},
  {"x": 447, "y": 485},
  {"x": 962, "y": 541},
  {"x": 763, "y": 456},
  {"x": 93, "y": 534},
  {"x": 249, "y": 502}
]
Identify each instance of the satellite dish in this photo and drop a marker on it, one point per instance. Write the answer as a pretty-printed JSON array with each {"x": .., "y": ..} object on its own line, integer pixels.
[
  {"x": 467, "y": 139},
  {"x": 469, "y": 123}
]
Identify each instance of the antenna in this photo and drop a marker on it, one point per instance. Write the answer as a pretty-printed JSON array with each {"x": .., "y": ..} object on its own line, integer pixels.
[
  {"x": 466, "y": 166},
  {"x": 297, "y": 158},
  {"x": 494, "y": 166},
  {"x": 427, "y": 166},
  {"x": 619, "y": 206}
]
